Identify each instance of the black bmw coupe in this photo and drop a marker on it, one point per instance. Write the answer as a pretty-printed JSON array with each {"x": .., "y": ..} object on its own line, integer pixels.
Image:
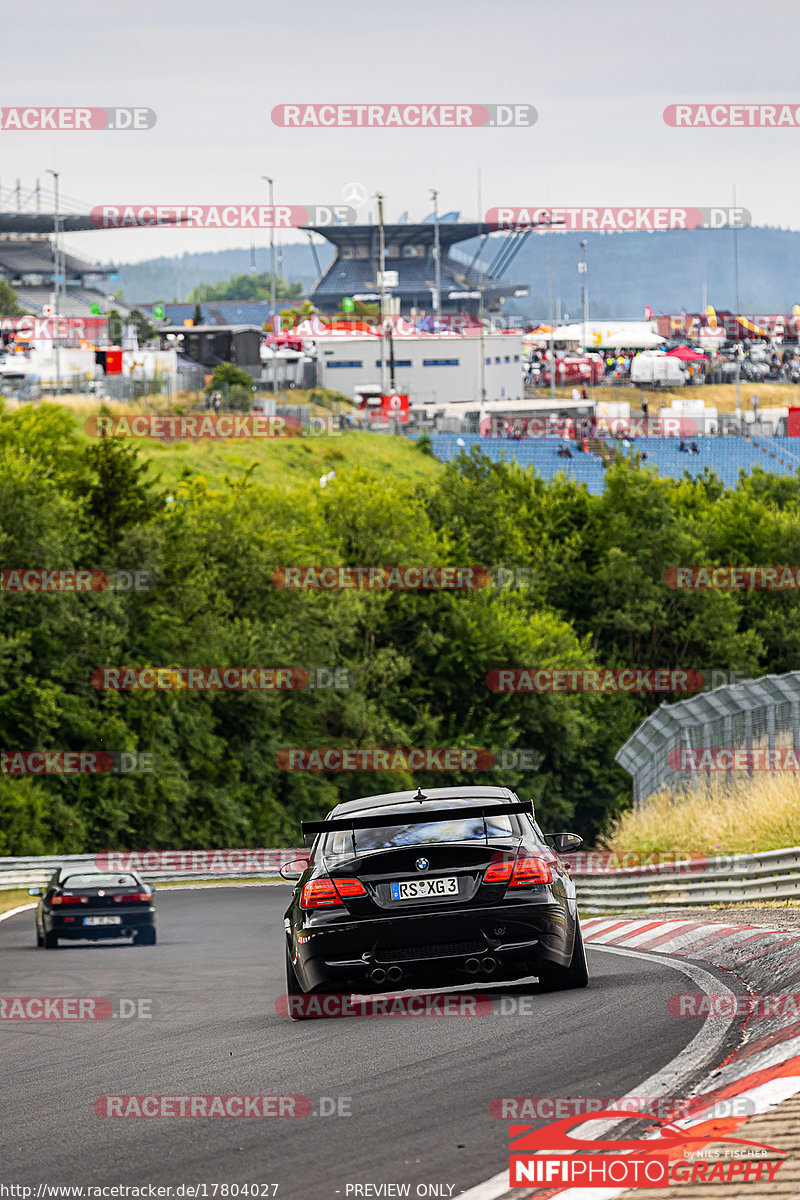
[{"x": 434, "y": 888}]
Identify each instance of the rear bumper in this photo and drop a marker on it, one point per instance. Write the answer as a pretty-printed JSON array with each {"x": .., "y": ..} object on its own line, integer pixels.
[
  {"x": 434, "y": 944},
  {"x": 131, "y": 923}
]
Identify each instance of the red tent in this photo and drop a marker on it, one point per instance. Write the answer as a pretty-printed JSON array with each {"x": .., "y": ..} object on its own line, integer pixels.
[{"x": 686, "y": 354}]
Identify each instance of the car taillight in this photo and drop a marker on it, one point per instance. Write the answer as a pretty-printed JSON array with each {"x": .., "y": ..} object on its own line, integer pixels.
[
  {"x": 528, "y": 871},
  {"x": 349, "y": 887},
  {"x": 69, "y": 900},
  {"x": 323, "y": 893},
  {"x": 140, "y": 896},
  {"x": 499, "y": 872},
  {"x": 520, "y": 872}
]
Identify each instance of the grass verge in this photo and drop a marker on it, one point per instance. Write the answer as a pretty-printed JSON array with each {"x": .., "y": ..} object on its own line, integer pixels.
[{"x": 745, "y": 816}]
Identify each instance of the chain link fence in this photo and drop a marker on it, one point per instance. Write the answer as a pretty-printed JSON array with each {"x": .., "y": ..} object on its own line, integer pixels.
[{"x": 757, "y": 714}]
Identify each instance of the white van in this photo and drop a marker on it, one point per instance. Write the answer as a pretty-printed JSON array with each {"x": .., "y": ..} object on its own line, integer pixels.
[{"x": 654, "y": 367}]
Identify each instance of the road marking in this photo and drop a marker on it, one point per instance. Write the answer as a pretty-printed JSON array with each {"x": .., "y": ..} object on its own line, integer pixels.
[{"x": 699, "y": 1053}]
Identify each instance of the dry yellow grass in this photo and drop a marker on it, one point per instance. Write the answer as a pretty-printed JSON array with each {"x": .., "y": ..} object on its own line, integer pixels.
[
  {"x": 721, "y": 396},
  {"x": 14, "y": 898},
  {"x": 744, "y": 817}
]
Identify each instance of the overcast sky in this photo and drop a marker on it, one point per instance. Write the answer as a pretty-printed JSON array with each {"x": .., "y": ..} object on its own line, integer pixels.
[{"x": 599, "y": 76}]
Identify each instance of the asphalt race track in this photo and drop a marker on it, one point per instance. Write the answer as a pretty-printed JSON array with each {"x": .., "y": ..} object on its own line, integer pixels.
[{"x": 419, "y": 1089}]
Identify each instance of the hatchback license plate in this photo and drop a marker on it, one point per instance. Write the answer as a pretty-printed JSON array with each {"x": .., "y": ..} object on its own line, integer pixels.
[
  {"x": 102, "y": 920},
  {"x": 415, "y": 889}
]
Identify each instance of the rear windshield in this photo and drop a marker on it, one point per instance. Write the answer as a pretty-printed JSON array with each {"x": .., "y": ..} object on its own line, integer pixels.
[
  {"x": 99, "y": 881},
  {"x": 465, "y": 829}
]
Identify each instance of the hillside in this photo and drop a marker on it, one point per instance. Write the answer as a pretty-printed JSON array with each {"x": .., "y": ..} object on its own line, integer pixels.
[{"x": 626, "y": 271}]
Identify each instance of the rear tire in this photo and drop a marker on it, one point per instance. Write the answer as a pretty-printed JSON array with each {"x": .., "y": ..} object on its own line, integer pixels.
[
  {"x": 576, "y": 975},
  {"x": 50, "y": 941},
  {"x": 145, "y": 937},
  {"x": 293, "y": 991},
  {"x": 39, "y": 937}
]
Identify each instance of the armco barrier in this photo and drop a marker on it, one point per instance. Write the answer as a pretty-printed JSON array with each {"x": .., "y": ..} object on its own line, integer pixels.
[
  {"x": 773, "y": 875},
  {"x": 30, "y": 872},
  {"x": 727, "y": 879}
]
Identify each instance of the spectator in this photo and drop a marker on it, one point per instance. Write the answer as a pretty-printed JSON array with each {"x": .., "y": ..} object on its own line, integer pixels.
[
  {"x": 695, "y": 449},
  {"x": 645, "y": 406},
  {"x": 644, "y": 455},
  {"x": 683, "y": 448},
  {"x": 567, "y": 452},
  {"x": 584, "y": 394}
]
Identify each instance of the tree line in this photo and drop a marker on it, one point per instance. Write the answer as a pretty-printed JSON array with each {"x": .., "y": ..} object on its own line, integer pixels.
[{"x": 415, "y": 663}]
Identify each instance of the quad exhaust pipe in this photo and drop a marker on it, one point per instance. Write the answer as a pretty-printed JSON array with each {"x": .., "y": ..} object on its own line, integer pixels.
[
  {"x": 388, "y": 974},
  {"x": 487, "y": 965}
]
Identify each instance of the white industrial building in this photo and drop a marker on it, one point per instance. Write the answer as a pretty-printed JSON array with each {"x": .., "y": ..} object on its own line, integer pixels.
[{"x": 432, "y": 368}]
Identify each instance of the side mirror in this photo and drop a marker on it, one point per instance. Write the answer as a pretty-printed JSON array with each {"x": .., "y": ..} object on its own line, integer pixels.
[
  {"x": 34, "y": 891},
  {"x": 564, "y": 843},
  {"x": 295, "y": 869}
]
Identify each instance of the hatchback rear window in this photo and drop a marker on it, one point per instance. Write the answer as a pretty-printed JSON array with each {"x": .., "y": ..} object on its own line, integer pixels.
[{"x": 99, "y": 881}]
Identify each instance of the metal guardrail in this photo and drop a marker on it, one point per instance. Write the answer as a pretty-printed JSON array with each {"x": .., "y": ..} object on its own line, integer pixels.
[
  {"x": 32, "y": 872},
  {"x": 772, "y": 875},
  {"x": 731, "y": 879}
]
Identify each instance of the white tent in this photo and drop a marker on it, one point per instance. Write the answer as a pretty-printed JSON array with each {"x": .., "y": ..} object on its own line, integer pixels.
[{"x": 602, "y": 335}]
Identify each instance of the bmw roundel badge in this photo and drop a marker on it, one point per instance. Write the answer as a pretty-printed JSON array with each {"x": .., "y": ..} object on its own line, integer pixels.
[{"x": 421, "y": 864}]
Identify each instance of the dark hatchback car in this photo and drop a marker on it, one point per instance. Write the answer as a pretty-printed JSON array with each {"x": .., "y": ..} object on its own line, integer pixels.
[
  {"x": 432, "y": 889},
  {"x": 80, "y": 904}
]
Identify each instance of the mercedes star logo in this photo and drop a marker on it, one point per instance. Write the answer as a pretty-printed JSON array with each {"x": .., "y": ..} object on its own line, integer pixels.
[{"x": 354, "y": 194}]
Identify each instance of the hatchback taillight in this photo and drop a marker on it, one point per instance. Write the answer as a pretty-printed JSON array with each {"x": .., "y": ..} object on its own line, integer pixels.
[
  {"x": 69, "y": 900},
  {"x": 326, "y": 893},
  {"x": 132, "y": 896},
  {"x": 520, "y": 872}
]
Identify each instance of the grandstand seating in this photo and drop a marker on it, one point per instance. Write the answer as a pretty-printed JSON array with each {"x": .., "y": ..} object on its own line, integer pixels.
[{"x": 725, "y": 456}]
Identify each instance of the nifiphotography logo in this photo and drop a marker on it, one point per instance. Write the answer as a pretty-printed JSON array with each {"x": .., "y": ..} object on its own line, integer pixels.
[{"x": 551, "y": 1156}]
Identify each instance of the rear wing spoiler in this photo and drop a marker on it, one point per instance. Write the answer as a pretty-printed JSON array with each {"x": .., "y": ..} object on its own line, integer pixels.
[{"x": 418, "y": 816}]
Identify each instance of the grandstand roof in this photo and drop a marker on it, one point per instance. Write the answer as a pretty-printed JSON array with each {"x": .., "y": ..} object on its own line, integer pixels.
[
  {"x": 21, "y": 222},
  {"x": 462, "y": 282},
  {"x": 449, "y": 233}
]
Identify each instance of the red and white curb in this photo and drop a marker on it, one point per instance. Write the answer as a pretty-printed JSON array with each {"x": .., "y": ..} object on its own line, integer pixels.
[{"x": 764, "y": 1069}]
